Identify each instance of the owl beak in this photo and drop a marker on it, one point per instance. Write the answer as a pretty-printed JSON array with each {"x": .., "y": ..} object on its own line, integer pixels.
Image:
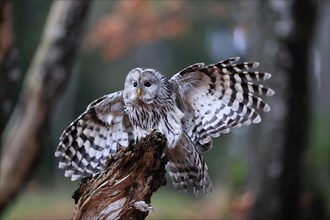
[{"x": 139, "y": 92}]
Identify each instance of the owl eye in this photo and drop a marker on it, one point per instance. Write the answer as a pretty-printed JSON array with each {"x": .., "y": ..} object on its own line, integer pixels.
[
  {"x": 147, "y": 84},
  {"x": 135, "y": 84}
]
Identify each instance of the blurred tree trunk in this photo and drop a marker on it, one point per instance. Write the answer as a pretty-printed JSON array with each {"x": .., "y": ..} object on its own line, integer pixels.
[
  {"x": 10, "y": 75},
  {"x": 46, "y": 79},
  {"x": 284, "y": 32}
]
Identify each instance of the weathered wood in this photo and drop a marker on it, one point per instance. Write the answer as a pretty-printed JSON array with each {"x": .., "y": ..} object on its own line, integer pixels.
[{"x": 124, "y": 189}]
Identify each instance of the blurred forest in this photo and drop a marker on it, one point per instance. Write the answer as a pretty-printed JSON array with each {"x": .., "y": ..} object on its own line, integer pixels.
[{"x": 278, "y": 169}]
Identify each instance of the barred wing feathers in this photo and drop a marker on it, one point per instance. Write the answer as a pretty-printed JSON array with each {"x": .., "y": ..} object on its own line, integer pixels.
[
  {"x": 218, "y": 97},
  {"x": 88, "y": 141},
  {"x": 187, "y": 167}
]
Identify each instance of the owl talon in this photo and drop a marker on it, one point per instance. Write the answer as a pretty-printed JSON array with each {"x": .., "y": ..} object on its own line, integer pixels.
[{"x": 151, "y": 131}]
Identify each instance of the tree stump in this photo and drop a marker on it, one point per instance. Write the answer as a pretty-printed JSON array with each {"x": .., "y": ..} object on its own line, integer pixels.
[{"x": 124, "y": 189}]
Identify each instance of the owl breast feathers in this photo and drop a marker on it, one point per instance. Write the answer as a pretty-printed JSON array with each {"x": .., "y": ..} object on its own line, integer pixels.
[{"x": 198, "y": 103}]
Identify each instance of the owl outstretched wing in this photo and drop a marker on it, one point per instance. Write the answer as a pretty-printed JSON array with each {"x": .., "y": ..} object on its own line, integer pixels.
[
  {"x": 218, "y": 97},
  {"x": 88, "y": 141}
]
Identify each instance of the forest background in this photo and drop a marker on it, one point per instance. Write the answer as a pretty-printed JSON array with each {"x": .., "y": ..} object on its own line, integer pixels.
[{"x": 278, "y": 169}]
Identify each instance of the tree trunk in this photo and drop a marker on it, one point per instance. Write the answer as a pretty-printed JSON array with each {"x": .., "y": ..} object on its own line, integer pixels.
[
  {"x": 297, "y": 127},
  {"x": 10, "y": 75},
  {"x": 284, "y": 31},
  {"x": 46, "y": 79},
  {"x": 124, "y": 189}
]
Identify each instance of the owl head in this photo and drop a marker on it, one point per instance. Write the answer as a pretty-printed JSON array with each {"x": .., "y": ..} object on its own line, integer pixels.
[{"x": 144, "y": 85}]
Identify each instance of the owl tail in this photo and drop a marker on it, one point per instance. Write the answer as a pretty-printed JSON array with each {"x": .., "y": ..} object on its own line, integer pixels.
[{"x": 187, "y": 167}]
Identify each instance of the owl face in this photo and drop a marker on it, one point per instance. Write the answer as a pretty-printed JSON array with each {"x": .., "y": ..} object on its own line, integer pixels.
[{"x": 142, "y": 85}]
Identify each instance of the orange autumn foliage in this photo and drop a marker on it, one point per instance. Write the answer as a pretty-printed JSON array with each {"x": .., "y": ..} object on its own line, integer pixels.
[{"x": 136, "y": 23}]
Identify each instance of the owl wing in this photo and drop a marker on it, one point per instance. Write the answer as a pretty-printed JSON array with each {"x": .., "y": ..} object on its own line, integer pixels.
[
  {"x": 88, "y": 141},
  {"x": 218, "y": 97}
]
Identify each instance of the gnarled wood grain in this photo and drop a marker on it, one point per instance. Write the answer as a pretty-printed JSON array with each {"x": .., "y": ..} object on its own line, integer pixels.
[{"x": 124, "y": 189}]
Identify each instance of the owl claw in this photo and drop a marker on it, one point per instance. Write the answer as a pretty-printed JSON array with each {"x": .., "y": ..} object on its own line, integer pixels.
[{"x": 152, "y": 130}]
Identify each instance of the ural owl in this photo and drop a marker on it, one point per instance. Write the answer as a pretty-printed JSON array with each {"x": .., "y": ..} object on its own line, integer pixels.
[{"x": 198, "y": 103}]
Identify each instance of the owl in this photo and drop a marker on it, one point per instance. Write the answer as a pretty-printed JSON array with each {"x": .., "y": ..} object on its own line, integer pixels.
[{"x": 197, "y": 104}]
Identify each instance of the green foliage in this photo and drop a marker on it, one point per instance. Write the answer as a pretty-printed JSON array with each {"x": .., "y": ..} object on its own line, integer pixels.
[
  {"x": 237, "y": 174},
  {"x": 41, "y": 204}
]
